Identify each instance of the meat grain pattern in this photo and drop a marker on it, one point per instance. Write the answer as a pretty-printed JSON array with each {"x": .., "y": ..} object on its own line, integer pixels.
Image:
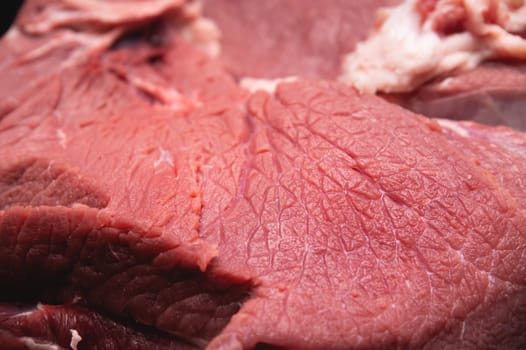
[{"x": 148, "y": 201}]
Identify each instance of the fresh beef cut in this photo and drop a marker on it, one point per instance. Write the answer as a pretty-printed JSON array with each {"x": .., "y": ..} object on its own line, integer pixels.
[
  {"x": 493, "y": 93},
  {"x": 149, "y": 201},
  {"x": 420, "y": 42}
]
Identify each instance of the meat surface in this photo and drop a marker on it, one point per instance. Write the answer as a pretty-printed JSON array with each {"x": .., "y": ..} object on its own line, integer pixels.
[{"x": 148, "y": 201}]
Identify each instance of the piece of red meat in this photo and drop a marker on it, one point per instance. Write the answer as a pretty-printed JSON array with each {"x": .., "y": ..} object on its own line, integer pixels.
[
  {"x": 493, "y": 94},
  {"x": 309, "y": 39},
  {"x": 139, "y": 184}
]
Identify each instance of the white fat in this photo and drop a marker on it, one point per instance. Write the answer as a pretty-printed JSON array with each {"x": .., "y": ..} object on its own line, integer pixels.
[
  {"x": 408, "y": 284},
  {"x": 459, "y": 252},
  {"x": 205, "y": 34},
  {"x": 491, "y": 280},
  {"x": 453, "y": 126},
  {"x": 389, "y": 59},
  {"x": 75, "y": 339},
  {"x": 445, "y": 84},
  {"x": 268, "y": 85},
  {"x": 404, "y": 53},
  {"x": 33, "y": 344},
  {"x": 62, "y": 138},
  {"x": 202, "y": 32},
  {"x": 164, "y": 157}
]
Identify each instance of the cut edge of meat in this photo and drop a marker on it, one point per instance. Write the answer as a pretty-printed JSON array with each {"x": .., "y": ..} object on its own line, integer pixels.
[{"x": 60, "y": 255}]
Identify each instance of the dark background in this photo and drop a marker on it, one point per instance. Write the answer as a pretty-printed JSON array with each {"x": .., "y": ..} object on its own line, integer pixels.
[{"x": 8, "y": 11}]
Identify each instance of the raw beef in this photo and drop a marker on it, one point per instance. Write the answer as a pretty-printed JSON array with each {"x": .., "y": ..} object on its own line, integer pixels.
[
  {"x": 493, "y": 93},
  {"x": 421, "y": 40},
  {"x": 291, "y": 38},
  {"x": 148, "y": 201}
]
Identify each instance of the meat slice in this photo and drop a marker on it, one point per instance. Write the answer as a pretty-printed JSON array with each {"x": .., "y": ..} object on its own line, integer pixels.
[
  {"x": 493, "y": 93},
  {"x": 175, "y": 207},
  {"x": 367, "y": 229}
]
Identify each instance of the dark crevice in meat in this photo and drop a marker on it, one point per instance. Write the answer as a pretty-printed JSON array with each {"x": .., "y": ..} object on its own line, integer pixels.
[
  {"x": 150, "y": 34},
  {"x": 60, "y": 325},
  {"x": 143, "y": 71},
  {"x": 155, "y": 59},
  {"x": 37, "y": 182},
  {"x": 49, "y": 288}
]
